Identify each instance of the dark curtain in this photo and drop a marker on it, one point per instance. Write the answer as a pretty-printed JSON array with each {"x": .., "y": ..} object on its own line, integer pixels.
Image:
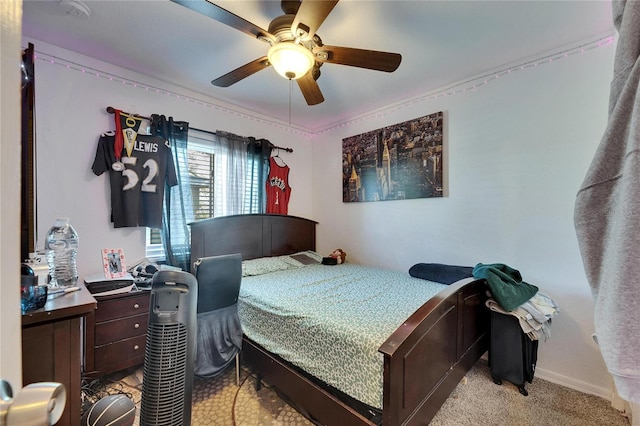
[
  {"x": 177, "y": 212},
  {"x": 258, "y": 153}
]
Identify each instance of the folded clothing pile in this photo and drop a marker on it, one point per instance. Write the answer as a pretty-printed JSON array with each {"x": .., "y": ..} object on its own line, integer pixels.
[
  {"x": 534, "y": 315},
  {"x": 510, "y": 295}
]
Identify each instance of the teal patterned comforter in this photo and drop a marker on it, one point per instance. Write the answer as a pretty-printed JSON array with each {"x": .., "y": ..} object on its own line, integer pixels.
[{"x": 331, "y": 320}]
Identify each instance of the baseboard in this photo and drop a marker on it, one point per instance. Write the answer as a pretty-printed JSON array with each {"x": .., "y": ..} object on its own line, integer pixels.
[
  {"x": 578, "y": 385},
  {"x": 629, "y": 409},
  {"x": 619, "y": 403}
]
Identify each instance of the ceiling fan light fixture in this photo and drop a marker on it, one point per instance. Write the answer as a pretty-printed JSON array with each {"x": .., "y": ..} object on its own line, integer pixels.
[{"x": 291, "y": 60}]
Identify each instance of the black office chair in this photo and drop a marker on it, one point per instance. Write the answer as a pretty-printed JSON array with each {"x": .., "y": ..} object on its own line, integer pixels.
[{"x": 219, "y": 336}]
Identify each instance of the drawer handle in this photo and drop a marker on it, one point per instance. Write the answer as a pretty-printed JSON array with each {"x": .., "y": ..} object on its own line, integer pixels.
[
  {"x": 136, "y": 325},
  {"x": 136, "y": 347},
  {"x": 136, "y": 306}
]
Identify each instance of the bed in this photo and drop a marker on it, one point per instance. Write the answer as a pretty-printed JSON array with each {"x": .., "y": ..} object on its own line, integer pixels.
[{"x": 421, "y": 360}]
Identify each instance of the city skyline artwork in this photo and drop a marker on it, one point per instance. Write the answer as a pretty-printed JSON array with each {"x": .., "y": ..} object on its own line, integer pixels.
[{"x": 397, "y": 162}]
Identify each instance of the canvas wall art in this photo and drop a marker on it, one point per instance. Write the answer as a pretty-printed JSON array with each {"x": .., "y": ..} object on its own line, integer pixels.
[{"x": 397, "y": 162}]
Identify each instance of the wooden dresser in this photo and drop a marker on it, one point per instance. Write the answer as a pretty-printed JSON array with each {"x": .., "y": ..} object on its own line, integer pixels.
[
  {"x": 52, "y": 346},
  {"x": 116, "y": 336}
]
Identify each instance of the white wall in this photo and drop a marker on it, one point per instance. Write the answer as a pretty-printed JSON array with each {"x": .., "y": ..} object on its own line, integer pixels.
[
  {"x": 517, "y": 150},
  {"x": 70, "y": 109}
]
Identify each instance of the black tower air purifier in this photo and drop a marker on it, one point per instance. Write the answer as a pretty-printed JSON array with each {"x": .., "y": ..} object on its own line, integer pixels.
[{"x": 170, "y": 352}]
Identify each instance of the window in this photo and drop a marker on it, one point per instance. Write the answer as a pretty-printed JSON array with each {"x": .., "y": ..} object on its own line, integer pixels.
[
  {"x": 201, "y": 174},
  {"x": 223, "y": 181},
  {"x": 201, "y": 166}
]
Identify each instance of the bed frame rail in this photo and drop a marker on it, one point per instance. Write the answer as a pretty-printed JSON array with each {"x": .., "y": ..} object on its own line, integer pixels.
[{"x": 299, "y": 390}]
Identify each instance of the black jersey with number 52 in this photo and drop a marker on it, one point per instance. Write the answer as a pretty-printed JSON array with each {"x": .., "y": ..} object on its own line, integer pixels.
[{"x": 138, "y": 190}]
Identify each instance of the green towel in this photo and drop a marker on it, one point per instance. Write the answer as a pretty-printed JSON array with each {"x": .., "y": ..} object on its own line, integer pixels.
[{"x": 505, "y": 284}]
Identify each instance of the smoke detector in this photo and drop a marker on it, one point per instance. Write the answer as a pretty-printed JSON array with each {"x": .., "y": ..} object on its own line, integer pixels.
[{"x": 75, "y": 8}]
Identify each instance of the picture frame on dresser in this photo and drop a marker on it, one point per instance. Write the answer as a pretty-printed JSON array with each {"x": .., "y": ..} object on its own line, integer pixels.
[{"x": 113, "y": 263}]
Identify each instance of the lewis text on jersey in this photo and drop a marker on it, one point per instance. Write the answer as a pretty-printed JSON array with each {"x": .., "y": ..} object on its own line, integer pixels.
[{"x": 146, "y": 146}]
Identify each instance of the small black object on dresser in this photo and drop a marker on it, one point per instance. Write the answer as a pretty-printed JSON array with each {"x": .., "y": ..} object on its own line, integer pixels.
[{"x": 512, "y": 354}]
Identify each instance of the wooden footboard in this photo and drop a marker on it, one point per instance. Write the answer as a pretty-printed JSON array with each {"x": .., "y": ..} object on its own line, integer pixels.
[
  {"x": 428, "y": 355},
  {"x": 423, "y": 362}
]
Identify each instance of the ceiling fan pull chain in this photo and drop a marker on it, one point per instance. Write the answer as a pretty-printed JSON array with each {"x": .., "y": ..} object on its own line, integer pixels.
[{"x": 290, "y": 88}]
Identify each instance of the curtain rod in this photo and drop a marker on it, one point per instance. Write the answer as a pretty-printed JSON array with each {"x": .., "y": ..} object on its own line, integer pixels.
[{"x": 111, "y": 110}]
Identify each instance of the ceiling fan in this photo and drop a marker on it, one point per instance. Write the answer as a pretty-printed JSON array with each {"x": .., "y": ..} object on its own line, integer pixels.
[{"x": 296, "y": 51}]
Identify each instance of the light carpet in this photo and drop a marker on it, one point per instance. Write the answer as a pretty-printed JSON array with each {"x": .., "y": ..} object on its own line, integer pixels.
[{"x": 476, "y": 400}]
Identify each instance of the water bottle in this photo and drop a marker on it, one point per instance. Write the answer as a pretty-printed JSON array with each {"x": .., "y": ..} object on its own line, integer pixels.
[{"x": 61, "y": 246}]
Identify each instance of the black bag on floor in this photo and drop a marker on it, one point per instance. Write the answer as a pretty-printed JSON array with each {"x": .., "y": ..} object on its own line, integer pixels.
[{"x": 512, "y": 354}]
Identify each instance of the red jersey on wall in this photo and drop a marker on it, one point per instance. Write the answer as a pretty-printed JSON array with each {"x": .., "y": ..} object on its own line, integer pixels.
[{"x": 278, "y": 189}]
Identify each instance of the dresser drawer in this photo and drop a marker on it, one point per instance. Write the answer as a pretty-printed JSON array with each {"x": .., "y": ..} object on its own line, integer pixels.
[
  {"x": 114, "y": 330},
  {"x": 123, "y": 307},
  {"x": 123, "y": 353}
]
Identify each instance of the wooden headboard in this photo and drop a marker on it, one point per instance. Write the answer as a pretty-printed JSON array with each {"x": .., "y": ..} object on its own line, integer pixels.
[{"x": 252, "y": 235}]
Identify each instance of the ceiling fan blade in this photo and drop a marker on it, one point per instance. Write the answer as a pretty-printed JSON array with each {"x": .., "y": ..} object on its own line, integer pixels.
[
  {"x": 224, "y": 16},
  {"x": 310, "y": 89},
  {"x": 310, "y": 16},
  {"x": 362, "y": 58},
  {"x": 243, "y": 72}
]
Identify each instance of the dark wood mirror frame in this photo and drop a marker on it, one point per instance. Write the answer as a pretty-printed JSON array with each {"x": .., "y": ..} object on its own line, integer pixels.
[{"x": 28, "y": 170}]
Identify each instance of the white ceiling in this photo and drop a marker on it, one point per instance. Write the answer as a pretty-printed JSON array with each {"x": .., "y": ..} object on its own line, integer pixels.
[{"x": 441, "y": 42}]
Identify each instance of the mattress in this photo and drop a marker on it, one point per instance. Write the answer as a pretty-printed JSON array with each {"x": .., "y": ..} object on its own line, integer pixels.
[{"x": 330, "y": 320}]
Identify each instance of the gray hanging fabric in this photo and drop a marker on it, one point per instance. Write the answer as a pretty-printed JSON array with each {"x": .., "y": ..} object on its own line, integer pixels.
[{"x": 607, "y": 214}]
